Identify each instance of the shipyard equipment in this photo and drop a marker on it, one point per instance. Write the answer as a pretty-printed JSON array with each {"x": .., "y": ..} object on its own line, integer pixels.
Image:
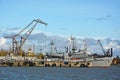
[
  {"x": 107, "y": 53},
  {"x": 99, "y": 42},
  {"x": 19, "y": 39}
]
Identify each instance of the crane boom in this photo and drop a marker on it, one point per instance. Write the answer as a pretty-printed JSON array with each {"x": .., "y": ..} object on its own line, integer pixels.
[
  {"x": 19, "y": 39},
  {"x": 101, "y": 46},
  {"x": 26, "y": 35},
  {"x": 37, "y": 21}
]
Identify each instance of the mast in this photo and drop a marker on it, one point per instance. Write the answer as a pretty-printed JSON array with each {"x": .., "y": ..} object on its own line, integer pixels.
[
  {"x": 73, "y": 44},
  {"x": 52, "y": 47}
]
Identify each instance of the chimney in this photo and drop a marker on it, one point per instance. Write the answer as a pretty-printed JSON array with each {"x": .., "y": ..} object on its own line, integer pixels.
[{"x": 111, "y": 52}]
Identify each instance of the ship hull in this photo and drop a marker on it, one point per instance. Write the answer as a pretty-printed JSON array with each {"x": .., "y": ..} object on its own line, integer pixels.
[{"x": 102, "y": 62}]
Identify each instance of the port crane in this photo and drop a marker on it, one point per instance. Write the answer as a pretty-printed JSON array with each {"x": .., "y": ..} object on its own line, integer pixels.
[
  {"x": 99, "y": 42},
  {"x": 19, "y": 39},
  {"x": 108, "y": 53}
]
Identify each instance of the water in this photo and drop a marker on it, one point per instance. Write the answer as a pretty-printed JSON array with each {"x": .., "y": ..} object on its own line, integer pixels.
[{"x": 59, "y": 73}]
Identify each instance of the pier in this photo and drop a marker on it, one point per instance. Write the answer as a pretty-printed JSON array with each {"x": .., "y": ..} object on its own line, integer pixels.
[{"x": 44, "y": 64}]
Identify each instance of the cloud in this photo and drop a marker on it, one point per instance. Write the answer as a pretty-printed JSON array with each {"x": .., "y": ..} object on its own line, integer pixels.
[
  {"x": 2, "y": 41},
  {"x": 14, "y": 28},
  {"x": 104, "y": 17},
  {"x": 61, "y": 42},
  {"x": 112, "y": 44},
  {"x": 100, "y": 18},
  {"x": 40, "y": 40},
  {"x": 108, "y": 16}
]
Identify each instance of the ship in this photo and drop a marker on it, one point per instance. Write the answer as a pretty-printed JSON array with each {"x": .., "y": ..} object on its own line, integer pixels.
[{"x": 82, "y": 56}]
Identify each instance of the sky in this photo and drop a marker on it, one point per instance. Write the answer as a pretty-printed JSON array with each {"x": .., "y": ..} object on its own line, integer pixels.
[{"x": 80, "y": 18}]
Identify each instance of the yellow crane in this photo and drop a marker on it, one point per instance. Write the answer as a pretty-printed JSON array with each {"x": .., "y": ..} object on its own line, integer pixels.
[{"x": 19, "y": 39}]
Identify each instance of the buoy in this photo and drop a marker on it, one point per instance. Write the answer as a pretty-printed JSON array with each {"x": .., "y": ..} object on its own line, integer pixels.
[
  {"x": 41, "y": 62},
  {"x": 60, "y": 65},
  {"x": 47, "y": 65},
  {"x": 88, "y": 63},
  {"x": 10, "y": 64},
  {"x": 25, "y": 63},
  {"x": 66, "y": 63},
  {"x": 18, "y": 63},
  {"x": 53, "y": 65},
  {"x": 69, "y": 65},
  {"x": 82, "y": 65},
  {"x": 33, "y": 64}
]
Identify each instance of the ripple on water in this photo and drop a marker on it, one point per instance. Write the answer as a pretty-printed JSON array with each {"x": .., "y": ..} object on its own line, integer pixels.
[{"x": 59, "y": 73}]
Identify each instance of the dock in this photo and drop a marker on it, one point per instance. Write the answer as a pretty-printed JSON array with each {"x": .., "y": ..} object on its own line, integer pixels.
[{"x": 44, "y": 64}]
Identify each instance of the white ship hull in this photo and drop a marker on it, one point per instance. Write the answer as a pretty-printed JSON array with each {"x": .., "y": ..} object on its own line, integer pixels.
[
  {"x": 102, "y": 62},
  {"x": 93, "y": 62}
]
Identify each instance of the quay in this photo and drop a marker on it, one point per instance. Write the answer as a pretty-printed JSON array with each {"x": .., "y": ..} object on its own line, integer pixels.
[{"x": 43, "y": 63}]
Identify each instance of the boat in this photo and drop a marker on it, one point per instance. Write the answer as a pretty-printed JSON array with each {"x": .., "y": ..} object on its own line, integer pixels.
[
  {"x": 86, "y": 59},
  {"x": 53, "y": 55}
]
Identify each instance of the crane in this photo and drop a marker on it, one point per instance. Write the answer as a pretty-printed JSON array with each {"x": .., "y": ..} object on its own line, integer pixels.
[
  {"x": 108, "y": 53},
  {"x": 101, "y": 46},
  {"x": 19, "y": 39}
]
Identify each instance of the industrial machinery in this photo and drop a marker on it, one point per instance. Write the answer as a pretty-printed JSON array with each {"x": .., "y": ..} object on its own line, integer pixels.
[
  {"x": 19, "y": 39},
  {"x": 108, "y": 53},
  {"x": 99, "y": 42}
]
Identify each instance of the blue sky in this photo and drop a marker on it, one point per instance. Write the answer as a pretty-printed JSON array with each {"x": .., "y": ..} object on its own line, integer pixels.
[{"x": 81, "y": 18}]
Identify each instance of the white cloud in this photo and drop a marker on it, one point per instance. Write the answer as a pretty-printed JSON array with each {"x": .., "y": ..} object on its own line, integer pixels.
[
  {"x": 112, "y": 45},
  {"x": 118, "y": 47},
  {"x": 2, "y": 41},
  {"x": 60, "y": 42}
]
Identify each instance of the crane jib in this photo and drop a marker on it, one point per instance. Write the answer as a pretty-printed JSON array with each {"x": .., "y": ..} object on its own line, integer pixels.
[{"x": 19, "y": 39}]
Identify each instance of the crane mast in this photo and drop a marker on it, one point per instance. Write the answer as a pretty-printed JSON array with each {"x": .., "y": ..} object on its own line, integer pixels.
[{"x": 19, "y": 39}]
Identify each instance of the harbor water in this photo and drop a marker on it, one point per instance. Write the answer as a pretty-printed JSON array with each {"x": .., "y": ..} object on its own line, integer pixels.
[{"x": 59, "y": 73}]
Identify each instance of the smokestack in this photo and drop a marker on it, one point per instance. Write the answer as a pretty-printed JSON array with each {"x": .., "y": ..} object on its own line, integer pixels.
[{"x": 111, "y": 52}]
